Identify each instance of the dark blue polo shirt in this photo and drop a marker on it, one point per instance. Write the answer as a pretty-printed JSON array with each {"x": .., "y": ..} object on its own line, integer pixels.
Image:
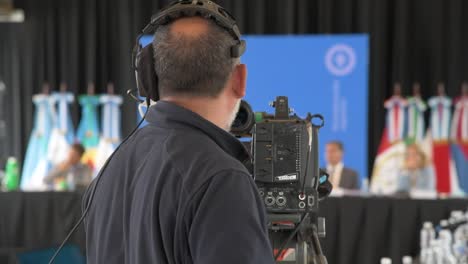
[{"x": 177, "y": 192}]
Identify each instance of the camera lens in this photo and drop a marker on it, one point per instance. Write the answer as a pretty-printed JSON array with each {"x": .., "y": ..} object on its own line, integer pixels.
[{"x": 244, "y": 121}]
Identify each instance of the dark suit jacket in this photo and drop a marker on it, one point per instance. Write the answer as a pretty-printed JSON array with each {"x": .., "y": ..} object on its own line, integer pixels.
[{"x": 349, "y": 179}]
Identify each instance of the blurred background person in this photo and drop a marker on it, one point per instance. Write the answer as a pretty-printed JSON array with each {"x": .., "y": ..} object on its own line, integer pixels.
[
  {"x": 416, "y": 174},
  {"x": 71, "y": 174},
  {"x": 340, "y": 176}
]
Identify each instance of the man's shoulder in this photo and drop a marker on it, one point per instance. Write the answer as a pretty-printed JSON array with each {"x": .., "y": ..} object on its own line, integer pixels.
[
  {"x": 200, "y": 147},
  {"x": 197, "y": 155}
]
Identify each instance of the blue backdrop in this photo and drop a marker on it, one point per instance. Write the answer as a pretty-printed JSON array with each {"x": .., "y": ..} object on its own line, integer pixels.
[{"x": 320, "y": 74}]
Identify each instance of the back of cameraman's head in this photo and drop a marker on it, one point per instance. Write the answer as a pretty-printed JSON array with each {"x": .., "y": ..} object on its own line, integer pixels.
[{"x": 193, "y": 63}]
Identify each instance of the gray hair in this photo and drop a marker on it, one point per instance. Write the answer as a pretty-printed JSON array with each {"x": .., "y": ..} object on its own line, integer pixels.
[{"x": 193, "y": 65}]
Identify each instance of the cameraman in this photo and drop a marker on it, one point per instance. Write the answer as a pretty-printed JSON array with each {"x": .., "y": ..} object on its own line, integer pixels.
[{"x": 177, "y": 191}]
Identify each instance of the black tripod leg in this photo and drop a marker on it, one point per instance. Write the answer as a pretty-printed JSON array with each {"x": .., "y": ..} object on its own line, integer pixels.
[
  {"x": 318, "y": 258},
  {"x": 302, "y": 253}
]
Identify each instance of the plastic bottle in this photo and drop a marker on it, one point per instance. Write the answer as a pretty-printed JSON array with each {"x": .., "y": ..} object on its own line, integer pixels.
[
  {"x": 429, "y": 257},
  {"x": 11, "y": 180},
  {"x": 365, "y": 186},
  {"x": 407, "y": 260},
  {"x": 385, "y": 261},
  {"x": 426, "y": 236},
  {"x": 460, "y": 246},
  {"x": 446, "y": 247},
  {"x": 436, "y": 252},
  {"x": 457, "y": 215}
]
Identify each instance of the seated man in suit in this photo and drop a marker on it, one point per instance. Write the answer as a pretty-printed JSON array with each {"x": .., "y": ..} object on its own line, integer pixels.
[{"x": 340, "y": 176}]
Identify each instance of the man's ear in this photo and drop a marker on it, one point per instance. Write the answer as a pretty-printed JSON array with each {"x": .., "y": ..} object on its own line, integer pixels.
[{"x": 239, "y": 80}]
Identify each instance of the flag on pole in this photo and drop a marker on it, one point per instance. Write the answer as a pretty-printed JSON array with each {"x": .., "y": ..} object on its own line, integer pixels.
[
  {"x": 459, "y": 136},
  {"x": 63, "y": 132},
  {"x": 459, "y": 128},
  {"x": 391, "y": 151},
  {"x": 440, "y": 117},
  {"x": 440, "y": 128},
  {"x": 39, "y": 139},
  {"x": 61, "y": 137},
  {"x": 396, "y": 118},
  {"x": 415, "y": 120},
  {"x": 111, "y": 131},
  {"x": 460, "y": 157},
  {"x": 88, "y": 129}
]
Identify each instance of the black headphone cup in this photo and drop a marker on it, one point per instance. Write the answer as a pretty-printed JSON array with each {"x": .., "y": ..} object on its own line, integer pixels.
[{"x": 147, "y": 80}]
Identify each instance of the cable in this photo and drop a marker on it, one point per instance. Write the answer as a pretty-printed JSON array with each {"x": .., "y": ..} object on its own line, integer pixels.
[
  {"x": 313, "y": 148},
  {"x": 290, "y": 237},
  {"x": 96, "y": 182},
  {"x": 306, "y": 170}
]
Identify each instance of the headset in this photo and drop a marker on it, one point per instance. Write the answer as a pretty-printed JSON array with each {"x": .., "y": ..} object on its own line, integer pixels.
[
  {"x": 143, "y": 57},
  {"x": 146, "y": 77}
]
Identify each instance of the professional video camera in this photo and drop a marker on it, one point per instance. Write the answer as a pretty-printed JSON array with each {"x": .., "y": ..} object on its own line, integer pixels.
[{"x": 284, "y": 151}]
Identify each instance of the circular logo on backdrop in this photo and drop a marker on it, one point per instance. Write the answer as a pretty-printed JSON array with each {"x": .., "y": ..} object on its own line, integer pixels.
[{"x": 340, "y": 59}]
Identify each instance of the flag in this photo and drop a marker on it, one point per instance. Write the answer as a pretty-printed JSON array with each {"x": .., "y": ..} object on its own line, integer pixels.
[
  {"x": 88, "y": 129},
  {"x": 441, "y": 159},
  {"x": 459, "y": 136},
  {"x": 111, "y": 133},
  {"x": 440, "y": 117},
  {"x": 460, "y": 157},
  {"x": 38, "y": 141},
  {"x": 459, "y": 128},
  {"x": 62, "y": 135},
  {"x": 415, "y": 120},
  {"x": 396, "y": 118},
  {"x": 446, "y": 175}
]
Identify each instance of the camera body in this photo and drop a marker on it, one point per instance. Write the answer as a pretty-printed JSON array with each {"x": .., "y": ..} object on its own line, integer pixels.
[{"x": 282, "y": 163}]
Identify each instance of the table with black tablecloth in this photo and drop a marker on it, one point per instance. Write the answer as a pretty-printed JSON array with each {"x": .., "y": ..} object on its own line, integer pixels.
[
  {"x": 37, "y": 220},
  {"x": 359, "y": 229}
]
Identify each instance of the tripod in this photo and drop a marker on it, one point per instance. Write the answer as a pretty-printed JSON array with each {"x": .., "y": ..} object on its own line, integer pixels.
[{"x": 302, "y": 233}]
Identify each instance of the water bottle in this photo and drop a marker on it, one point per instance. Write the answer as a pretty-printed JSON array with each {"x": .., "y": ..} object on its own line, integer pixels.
[
  {"x": 460, "y": 246},
  {"x": 385, "y": 261},
  {"x": 365, "y": 186},
  {"x": 437, "y": 252},
  {"x": 429, "y": 257},
  {"x": 459, "y": 250},
  {"x": 445, "y": 237},
  {"x": 446, "y": 247},
  {"x": 407, "y": 260},
  {"x": 457, "y": 215},
  {"x": 11, "y": 179},
  {"x": 426, "y": 236}
]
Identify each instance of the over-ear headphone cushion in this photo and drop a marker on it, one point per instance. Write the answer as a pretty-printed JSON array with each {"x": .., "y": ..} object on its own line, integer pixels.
[{"x": 147, "y": 78}]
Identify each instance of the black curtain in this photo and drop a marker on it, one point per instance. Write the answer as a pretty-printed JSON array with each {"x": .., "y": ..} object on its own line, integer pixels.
[{"x": 82, "y": 41}]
